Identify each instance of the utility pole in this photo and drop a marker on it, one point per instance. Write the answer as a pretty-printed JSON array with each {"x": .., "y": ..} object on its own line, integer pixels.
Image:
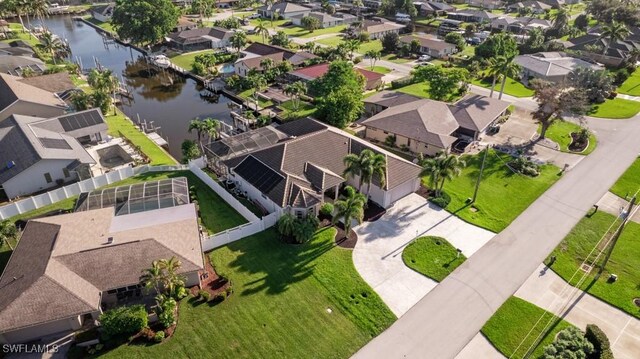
[
  {"x": 617, "y": 235},
  {"x": 484, "y": 159}
]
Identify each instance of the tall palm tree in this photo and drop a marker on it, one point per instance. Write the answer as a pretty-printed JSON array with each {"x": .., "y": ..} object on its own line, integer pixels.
[
  {"x": 440, "y": 168},
  {"x": 261, "y": 29},
  {"x": 52, "y": 46},
  {"x": 153, "y": 277},
  {"x": 561, "y": 19},
  {"x": 352, "y": 45},
  {"x": 509, "y": 69},
  {"x": 238, "y": 40},
  {"x": 39, "y": 8},
  {"x": 614, "y": 32},
  {"x": 103, "y": 80},
  {"x": 350, "y": 208},
  {"x": 373, "y": 55},
  {"x": 295, "y": 90},
  {"x": 197, "y": 125},
  {"x": 496, "y": 66},
  {"x": 286, "y": 224},
  {"x": 211, "y": 127},
  {"x": 373, "y": 165},
  {"x": 354, "y": 164},
  {"x": 19, "y": 7}
]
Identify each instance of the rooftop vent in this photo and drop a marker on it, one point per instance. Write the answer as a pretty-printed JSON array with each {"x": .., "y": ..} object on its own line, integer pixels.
[{"x": 109, "y": 240}]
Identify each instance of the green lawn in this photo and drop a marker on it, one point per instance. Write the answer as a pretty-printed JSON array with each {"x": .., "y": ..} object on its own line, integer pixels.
[
  {"x": 432, "y": 256},
  {"x": 304, "y": 109},
  {"x": 370, "y": 45},
  {"x": 333, "y": 41},
  {"x": 629, "y": 182},
  {"x": 17, "y": 29},
  {"x": 618, "y": 108},
  {"x": 560, "y": 133},
  {"x": 248, "y": 95},
  {"x": 103, "y": 25},
  {"x": 512, "y": 87},
  {"x": 491, "y": 210},
  {"x": 120, "y": 126},
  {"x": 186, "y": 60},
  {"x": 379, "y": 69},
  {"x": 395, "y": 59},
  {"x": 632, "y": 85},
  {"x": 514, "y": 319},
  {"x": 625, "y": 261},
  {"x": 298, "y": 31},
  {"x": 289, "y": 301},
  {"x": 420, "y": 89}
]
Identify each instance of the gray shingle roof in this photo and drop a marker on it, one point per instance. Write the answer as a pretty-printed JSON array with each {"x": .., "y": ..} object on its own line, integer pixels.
[
  {"x": 12, "y": 89},
  {"x": 390, "y": 98},
  {"x": 428, "y": 42},
  {"x": 553, "y": 66},
  {"x": 476, "y": 112}
]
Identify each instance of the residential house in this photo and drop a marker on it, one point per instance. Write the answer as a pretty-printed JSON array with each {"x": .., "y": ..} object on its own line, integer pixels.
[
  {"x": 15, "y": 65},
  {"x": 556, "y": 4},
  {"x": 601, "y": 50},
  {"x": 184, "y": 24},
  {"x": 486, "y": 4},
  {"x": 378, "y": 28},
  {"x": 201, "y": 38},
  {"x": 372, "y": 79},
  {"x": 58, "y": 83},
  {"x": 433, "y": 8},
  {"x": 448, "y": 25},
  {"x": 427, "y": 126},
  {"x": 104, "y": 12},
  {"x": 255, "y": 53},
  {"x": 17, "y": 97},
  {"x": 431, "y": 46},
  {"x": 536, "y": 7},
  {"x": 302, "y": 166},
  {"x": 285, "y": 10},
  {"x": 518, "y": 25},
  {"x": 67, "y": 268},
  {"x": 382, "y": 100},
  {"x": 469, "y": 15},
  {"x": 16, "y": 48},
  {"x": 325, "y": 19},
  {"x": 550, "y": 66},
  {"x": 226, "y": 4}
]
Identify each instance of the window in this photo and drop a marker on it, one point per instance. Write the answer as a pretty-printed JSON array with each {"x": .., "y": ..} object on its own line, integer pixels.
[
  {"x": 66, "y": 172},
  {"x": 47, "y": 177}
]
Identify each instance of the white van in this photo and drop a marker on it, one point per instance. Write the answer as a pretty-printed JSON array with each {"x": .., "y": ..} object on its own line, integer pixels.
[{"x": 400, "y": 17}]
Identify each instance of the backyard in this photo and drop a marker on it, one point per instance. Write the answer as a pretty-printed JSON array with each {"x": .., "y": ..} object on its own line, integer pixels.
[
  {"x": 297, "y": 31},
  {"x": 618, "y": 108},
  {"x": 512, "y": 87},
  {"x": 560, "y": 133},
  {"x": 507, "y": 328},
  {"x": 629, "y": 182},
  {"x": 632, "y": 85},
  {"x": 491, "y": 210},
  {"x": 304, "y": 109},
  {"x": 18, "y": 30},
  {"x": 103, "y": 25},
  {"x": 289, "y": 301},
  {"x": 432, "y": 256},
  {"x": 186, "y": 60},
  {"x": 624, "y": 262}
]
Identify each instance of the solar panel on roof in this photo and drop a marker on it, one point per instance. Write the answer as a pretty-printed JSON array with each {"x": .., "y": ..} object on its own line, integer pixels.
[
  {"x": 55, "y": 143},
  {"x": 258, "y": 174},
  {"x": 79, "y": 120}
]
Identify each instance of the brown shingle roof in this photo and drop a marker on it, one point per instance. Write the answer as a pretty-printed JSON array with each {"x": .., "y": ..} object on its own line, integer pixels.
[
  {"x": 54, "y": 83},
  {"x": 428, "y": 42},
  {"x": 476, "y": 112},
  {"x": 390, "y": 98},
  {"x": 12, "y": 89}
]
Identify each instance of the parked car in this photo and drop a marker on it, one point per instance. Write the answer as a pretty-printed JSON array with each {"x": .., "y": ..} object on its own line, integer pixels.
[
  {"x": 424, "y": 58},
  {"x": 253, "y": 16}
]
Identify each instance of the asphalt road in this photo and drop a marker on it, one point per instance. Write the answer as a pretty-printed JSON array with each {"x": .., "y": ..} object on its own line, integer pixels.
[{"x": 446, "y": 319}]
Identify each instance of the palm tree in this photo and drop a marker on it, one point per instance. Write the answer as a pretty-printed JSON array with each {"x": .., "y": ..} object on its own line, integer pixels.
[
  {"x": 267, "y": 64},
  {"x": 16, "y": 6},
  {"x": 39, "y": 8},
  {"x": 286, "y": 224},
  {"x": 561, "y": 19},
  {"x": 440, "y": 168},
  {"x": 614, "y": 32},
  {"x": 52, "y": 46},
  {"x": 103, "y": 80},
  {"x": 261, "y": 29},
  {"x": 509, "y": 69},
  {"x": 373, "y": 55},
  {"x": 354, "y": 165},
  {"x": 8, "y": 231},
  {"x": 350, "y": 208},
  {"x": 238, "y": 40},
  {"x": 197, "y": 125},
  {"x": 495, "y": 68},
  {"x": 373, "y": 165},
  {"x": 211, "y": 127},
  {"x": 170, "y": 268},
  {"x": 295, "y": 90},
  {"x": 81, "y": 100},
  {"x": 310, "y": 46},
  {"x": 153, "y": 278},
  {"x": 351, "y": 46}
]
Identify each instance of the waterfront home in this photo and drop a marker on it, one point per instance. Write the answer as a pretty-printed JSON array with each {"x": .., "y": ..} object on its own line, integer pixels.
[
  {"x": 536, "y": 7},
  {"x": 299, "y": 165},
  {"x": 17, "y": 97},
  {"x": 16, "y": 65},
  {"x": 103, "y": 13},
  {"x": 427, "y": 126},
  {"x": 310, "y": 73},
  {"x": 255, "y": 53},
  {"x": 200, "y": 39},
  {"x": 550, "y": 66},
  {"x": 66, "y": 269},
  {"x": 431, "y": 46},
  {"x": 433, "y": 8}
]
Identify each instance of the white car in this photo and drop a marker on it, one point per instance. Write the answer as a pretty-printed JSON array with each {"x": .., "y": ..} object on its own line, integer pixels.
[
  {"x": 424, "y": 58},
  {"x": 253, "y": 16}
]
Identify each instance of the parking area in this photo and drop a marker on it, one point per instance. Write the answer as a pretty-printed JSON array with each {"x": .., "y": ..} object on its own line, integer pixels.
[{"x": 378, "y": 253}]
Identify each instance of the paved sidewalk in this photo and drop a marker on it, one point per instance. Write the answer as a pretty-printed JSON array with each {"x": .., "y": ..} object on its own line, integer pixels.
[
  {"x": 613, "y": 204},
  {"x": 480, "y": 347},
  {"x": 547, "y": 290},
  {"x": 378, "y": 252}
]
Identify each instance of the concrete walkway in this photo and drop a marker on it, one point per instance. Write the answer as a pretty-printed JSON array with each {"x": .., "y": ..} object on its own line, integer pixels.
[
  {"x": 480, "y": 347},
  {"x": 378, "y": 253},
  {"x": 629, "y": 97},
  {"x": 613, "y": 204},
  {"x": 547, "y": 290}
]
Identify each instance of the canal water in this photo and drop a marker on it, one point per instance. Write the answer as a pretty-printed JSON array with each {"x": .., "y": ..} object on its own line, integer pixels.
[{"x": 167, "y": 99}]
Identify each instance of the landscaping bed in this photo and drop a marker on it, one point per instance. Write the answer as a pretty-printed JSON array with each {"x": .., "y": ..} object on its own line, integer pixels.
[
  {"x": 564, "y": 134},
  {"x": 289, "y": 301},
  {"x": 341, "y": 238},
  {"x": 432, "y": 256},
  {"x": 624, "y": 262},
  {"x": 514, "y": 319}
]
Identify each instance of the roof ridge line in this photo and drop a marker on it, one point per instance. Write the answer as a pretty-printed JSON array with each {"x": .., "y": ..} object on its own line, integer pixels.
[{"x": 64, "y": 287}]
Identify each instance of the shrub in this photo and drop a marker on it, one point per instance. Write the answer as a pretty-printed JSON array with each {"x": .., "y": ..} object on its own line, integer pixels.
[
  {"x": 442, "y": 200},
  {"x": 390, "y": 141},
  {"x": 229, "y": 290},
  {"x": 601, "y": 345},
  {"x": 204, "y": 295},
  {"x": 158, "y": 337},
  {"x": 124, "y": 320},
  {"x": 326, "y": 210},
  {"x": 525, "y": 167},
  {"x": 357, "y": 60},
  {"x": 363, "y": 36},
  {"x": 570, "y": 343}
]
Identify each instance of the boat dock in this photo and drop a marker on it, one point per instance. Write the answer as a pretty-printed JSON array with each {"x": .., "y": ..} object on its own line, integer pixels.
[{"x": 158, "y": 140}]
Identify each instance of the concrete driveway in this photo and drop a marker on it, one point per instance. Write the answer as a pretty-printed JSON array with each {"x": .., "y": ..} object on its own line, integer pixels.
[{"x": 378, "y": 253}]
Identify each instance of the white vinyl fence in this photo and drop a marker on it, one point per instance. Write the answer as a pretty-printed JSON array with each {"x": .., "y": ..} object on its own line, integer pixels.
[
  {"x": 241, "y": 231},
  {"x": 74, "y": 189}
]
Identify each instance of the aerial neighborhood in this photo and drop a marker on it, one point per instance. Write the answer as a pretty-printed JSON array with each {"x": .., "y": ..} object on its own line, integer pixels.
[{"x": 331, "y": 179}]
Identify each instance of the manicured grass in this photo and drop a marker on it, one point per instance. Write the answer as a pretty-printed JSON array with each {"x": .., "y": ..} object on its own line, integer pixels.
[
  {"x": 560, "y": 133},
  {"x": 629, "y": 182},
  {"x": 333, "y": 41},
  {"x": 512, "y": 87},
  {"x": 514, "y": 319},
  {"x": 121, "y": 126},
  {"x": 432, "y": 256},
  {"x": 18, "y": 30},
  {"x": 395, "y": 59},
  {"x": 186, "y": 60},
  {"x": 491, "y": 210},
  {"x": 280, "y": 308},
  {"x": 420, "y": 89},
  {"x": 304, "y": 109},
  {"x": 625, "y": 261},
  {"x": 103, "y": 25},
  {"x": 618, "y": 108},
  {"x": 370, "y": 45},
  {"x": 632, "y": 85},
  {"x": 301, "y": 32},
  {"x": 248, "y": 96},
  {"x": 379, "y": 69}
]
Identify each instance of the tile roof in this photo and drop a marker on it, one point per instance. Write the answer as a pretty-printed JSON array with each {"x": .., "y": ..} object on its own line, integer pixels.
[
  {"x": 62, "y": 263},
  {"x": 549, "y": 65},
  {"x": 315, "y": 71}
]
